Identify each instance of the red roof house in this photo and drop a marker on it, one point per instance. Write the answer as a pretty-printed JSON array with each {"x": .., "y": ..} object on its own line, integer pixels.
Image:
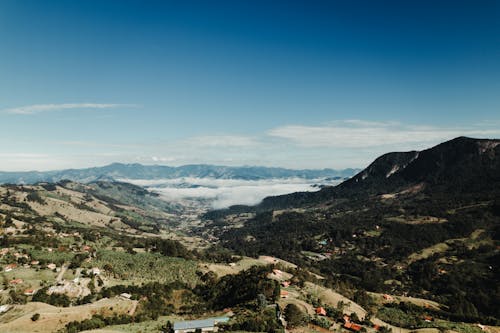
[
  {"x": 352, "y": 327},
  {"x": 16, "y": 281},
  {"x": 321, "y": 311}
]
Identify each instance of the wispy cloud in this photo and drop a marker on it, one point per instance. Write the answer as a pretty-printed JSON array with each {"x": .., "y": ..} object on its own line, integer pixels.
[
  {"x": 38, "y": 108},
  {"x": 362, "y": 134},
  {"x": 337, "y": 144}
]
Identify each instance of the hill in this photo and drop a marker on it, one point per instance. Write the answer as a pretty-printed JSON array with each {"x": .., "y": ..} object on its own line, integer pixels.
[{"x": 420, "y": 223}]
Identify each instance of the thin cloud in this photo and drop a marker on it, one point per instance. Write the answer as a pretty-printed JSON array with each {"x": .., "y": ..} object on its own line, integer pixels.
[
  {"x": 361, "y": 134},
  {"x": 39, "y": 108}
]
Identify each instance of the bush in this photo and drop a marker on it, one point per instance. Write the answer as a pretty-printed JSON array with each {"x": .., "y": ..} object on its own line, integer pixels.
[{"x": 294, "y": 316}]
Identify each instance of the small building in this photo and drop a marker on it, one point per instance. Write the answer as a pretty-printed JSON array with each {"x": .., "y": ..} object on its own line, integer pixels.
[
  {"x": 35, "y": 262},
  {"x": 96, "y": 271},
  {"x": 285, "y": 284},
  {"x": 387, "y": 297},
  {"x": 320, "y": 311},
  {"x": 29, "y": 292},
  {"x": 126, "y": 295},
  {"x": 51, "y": 266},
  {"x": 284, "y": 294},
  {"x": 352, "y": 326},
  {"x": 16, "y": 281},
  {"x": 10, "y": 267},
  {"x": 204, "y": 325}
]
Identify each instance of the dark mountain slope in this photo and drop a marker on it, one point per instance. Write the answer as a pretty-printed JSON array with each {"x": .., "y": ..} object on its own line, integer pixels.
[
  {"x": 425, "y": 223},
  {"x": 453, "y": 165},
  {"x": 458, "y": 167}
]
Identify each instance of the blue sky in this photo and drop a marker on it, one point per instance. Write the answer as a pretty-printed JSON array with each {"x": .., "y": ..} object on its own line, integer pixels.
[{"x": 301, "y": 84}]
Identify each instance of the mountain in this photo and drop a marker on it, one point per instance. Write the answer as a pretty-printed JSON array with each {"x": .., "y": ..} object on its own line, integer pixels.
[
  {"x": 420, "y": 222},
  {"x": 117, "y": 171},
  {"x": 462, "y": 166}
]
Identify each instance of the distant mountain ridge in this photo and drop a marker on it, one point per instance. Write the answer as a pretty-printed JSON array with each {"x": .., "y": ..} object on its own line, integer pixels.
[{"x": 117, "y": 171}]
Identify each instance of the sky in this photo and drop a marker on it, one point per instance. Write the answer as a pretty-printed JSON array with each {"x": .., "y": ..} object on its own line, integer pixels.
[{"x": 298, "y": 84}]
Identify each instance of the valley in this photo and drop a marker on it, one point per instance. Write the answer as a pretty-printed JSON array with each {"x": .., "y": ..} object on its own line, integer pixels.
[{"x": 401, "y": 251}]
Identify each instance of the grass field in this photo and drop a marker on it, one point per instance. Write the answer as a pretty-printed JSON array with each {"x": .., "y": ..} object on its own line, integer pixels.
[
  {"x": 31, "y": 277},
  {"x": 144, "y": 267},
  {"x": 18, "y": 319}
]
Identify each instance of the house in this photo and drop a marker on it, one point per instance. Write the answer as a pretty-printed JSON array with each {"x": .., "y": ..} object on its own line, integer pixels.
[
  {"x": 51, "y": 266},
  {"x": 29, "y": 292},
  {"x": 125, "y": 295},
  {"x": 320, "y": 311},
  {"x": 16, "y": 281},
  {"x": 352, "y": 326},
  {"x": 35, "y": 262},
  {"x": 387, "y": 297},
  {"x": 4, "y": 308},
  {"x": 204, "y": 325},
  {"x": 10, "y": 267},
  {"x": 96, "y": 271},
  {"x": 4, "y": 251},
  {"x": 284, "y": 294},
  {"x": 285, "y": 284},
  {"x": 428, "y": 319}
]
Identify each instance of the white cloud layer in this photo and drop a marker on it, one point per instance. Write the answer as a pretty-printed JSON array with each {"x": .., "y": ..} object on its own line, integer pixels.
[
  {"x": 38, "y": 108},
  {"x": 222, "y": 193}
]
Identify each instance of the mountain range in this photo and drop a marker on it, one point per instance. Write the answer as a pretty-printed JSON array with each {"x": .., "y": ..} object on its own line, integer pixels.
[
  {"x": 459, "y": 167},
  {"x": 117, "y": 171},
  {"x": 420, "y": 221}
]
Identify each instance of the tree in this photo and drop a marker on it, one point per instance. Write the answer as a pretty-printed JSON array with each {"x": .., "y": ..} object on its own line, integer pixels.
[{"x": 294, "y": 316}]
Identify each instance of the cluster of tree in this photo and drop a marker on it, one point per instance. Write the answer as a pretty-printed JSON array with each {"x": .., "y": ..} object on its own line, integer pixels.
[
  {"x": 97, "y": 321},
  {"x": 244, "y": 287},
  {"x": 348, "y": 227},
  {"x": 264, "y": 320},
  {"x": 53, "y": 299}
]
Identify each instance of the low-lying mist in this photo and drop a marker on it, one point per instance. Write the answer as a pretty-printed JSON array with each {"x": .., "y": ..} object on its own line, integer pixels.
[{"x": 222, "y": 193}]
